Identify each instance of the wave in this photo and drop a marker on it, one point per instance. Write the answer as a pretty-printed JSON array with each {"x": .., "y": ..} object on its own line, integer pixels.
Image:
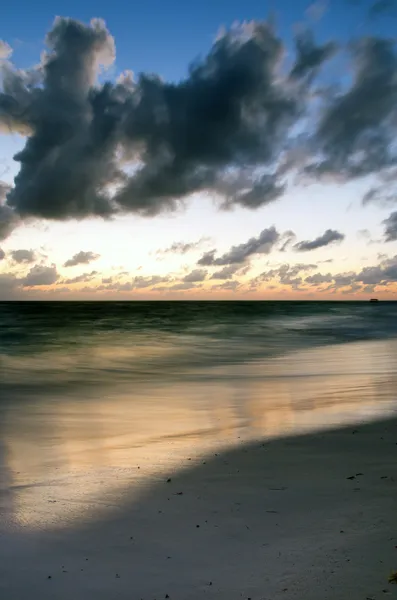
[{"x": 59, "y": 345}]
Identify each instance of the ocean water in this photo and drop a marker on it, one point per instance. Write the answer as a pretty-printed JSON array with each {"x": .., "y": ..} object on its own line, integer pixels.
[
  {"x": 50, "y": 346},
  {"x": 92, "y": 388}
]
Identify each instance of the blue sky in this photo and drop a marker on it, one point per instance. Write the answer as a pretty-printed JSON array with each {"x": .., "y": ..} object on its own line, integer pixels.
[
  {"x": 164, "y": 37},
  {"x": 153, "y": 35}
]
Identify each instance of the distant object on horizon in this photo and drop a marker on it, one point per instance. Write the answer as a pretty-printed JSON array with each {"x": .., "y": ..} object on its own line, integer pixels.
[{"x": 374, "y": 300}]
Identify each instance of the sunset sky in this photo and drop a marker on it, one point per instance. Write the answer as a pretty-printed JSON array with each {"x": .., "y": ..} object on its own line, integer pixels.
[{"x": 249, "y": 161}]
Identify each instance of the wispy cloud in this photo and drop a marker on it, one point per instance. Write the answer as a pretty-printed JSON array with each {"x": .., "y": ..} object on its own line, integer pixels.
[
  {"x": 184, "y": 247},
  {"x": 328, "y": 237},
  {"x": 237, "y": 255},
  {"x": 81, "y": 258}
]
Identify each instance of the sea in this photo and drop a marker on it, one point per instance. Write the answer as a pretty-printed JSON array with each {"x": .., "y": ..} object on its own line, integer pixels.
[{"x": 92, "y": 388}]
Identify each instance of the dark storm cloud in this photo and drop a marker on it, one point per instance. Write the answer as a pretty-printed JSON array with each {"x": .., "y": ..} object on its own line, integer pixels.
[
  {"x": 2, "y": 254},
  {"x": 40, "y": 275},
  {"x": 391, "y": 227},
  {"x": 355, "y": 132},
  {"x": 329, "y": 237},
  {"x": 232, "y": 111},
  {"x": 81, "y": 258},
  {"x": 228, "y": 128},
  {"x": 263, "y": 244},
  {"x": 209, "y": 132},
  {"x": 23, "y": 256},
  {"x": 310, "y": 57},
  {"x": 265, "y": 190},
  {"x": 8, "y": 218},
  {"x": 383, "y": 7},
  {"x": 65, "y": 160}
]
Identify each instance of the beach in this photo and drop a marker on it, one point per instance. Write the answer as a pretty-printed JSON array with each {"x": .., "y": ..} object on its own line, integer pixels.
[
  {"x": 310, "y": 516},
  {"x": 161, "y": 468}
]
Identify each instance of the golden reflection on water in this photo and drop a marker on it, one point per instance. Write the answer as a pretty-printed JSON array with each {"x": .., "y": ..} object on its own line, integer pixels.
[{"x": 63, "y": 457}]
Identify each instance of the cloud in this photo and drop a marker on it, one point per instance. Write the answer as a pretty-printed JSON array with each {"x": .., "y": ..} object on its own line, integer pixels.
[
  {"x": 380, "y": 7},
  {"x": 227, "y": 285},
  {"x": 316, "y": 10},
  {"x": 183, "y": 247},
  {"x": 9, "y": 285},
  {"x": 183, "y": 285},
  {"x": 23, "y": 256},
  {"x": 140, "y": 281},
  {"x": 2, "y": 254},
  {"x": 8, "y": 218},
  {"x": 286, "y": 240},
  {"x": 226, "y": 273},
  {"x": 391, "y": 227},
  {"x": 355, "y": 133},
  {"x": 40, "y": 275},
  {"x": 5, "y": 50},
  {"x": 265, "y": 190},
  {"x": 136, "y": 283},
  {"x": 236, "y": 127},
  {"x": 98, "y": 149},
  {"x": 81, "y": 258},
  {"x": 84, "y": 277},
  {"x": 263, "y": 244},
  {"x": 319, "y": 278},
  {"x": 285, "y": 273},
  {"x": 195, "y": 276},
  {"x": 382, "y": 274},
  {"x": 329, "y": 237},
  {"x": 383, "y": 195},
  {"x": 364, "y": 234},
  {"x": 310, "y": 57},
  {"x": 63, "y": 159}
]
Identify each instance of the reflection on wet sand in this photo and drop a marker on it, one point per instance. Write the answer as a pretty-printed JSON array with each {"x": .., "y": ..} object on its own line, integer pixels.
[{"x": 64, "y": 455}]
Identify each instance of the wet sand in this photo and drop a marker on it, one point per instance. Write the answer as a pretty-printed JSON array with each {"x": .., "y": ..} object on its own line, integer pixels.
[{"x": 311, "y": 516}]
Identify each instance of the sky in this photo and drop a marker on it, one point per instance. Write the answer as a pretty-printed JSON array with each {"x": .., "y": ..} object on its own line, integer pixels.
[{"x": 173, "y": 150}]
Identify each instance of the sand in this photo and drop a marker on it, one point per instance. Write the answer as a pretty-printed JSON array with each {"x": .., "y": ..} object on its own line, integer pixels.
[{"x": 309, "y": 517}]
